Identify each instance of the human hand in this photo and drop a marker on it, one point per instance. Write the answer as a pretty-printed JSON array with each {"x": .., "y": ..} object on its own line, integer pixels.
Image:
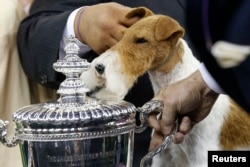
[
  {"x": 102, "y": 25},
  {"x": 190, "y": 100}
]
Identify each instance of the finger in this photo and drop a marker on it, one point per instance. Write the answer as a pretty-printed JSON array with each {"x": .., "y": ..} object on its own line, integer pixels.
[
  {"x": 112, "y": 41},
  {"x": 117, "y": 34},
  {"x": 185, "y": 125},
  {"x": 109, "y": 42},
  {"x": 153, "y": 122},
  {"x": 156, "y": 139},
  {"x": 184, "y": 128},
  {"x": 127, "y": 22},
  {"x": 178, "y": 138},
  {"x": 168, "y": 118}
]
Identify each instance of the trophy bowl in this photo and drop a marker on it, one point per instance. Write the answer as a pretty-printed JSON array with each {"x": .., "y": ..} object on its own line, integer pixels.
[{"x": 58, "y": 135}]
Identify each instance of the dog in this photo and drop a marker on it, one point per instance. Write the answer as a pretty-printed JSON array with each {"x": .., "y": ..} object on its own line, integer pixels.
[{"x": 155, "y": 45}]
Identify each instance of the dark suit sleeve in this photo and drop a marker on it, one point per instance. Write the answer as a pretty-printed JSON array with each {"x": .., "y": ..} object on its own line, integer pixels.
[
  {"x": 39, "y": 38},
  {"x": 227, "y": 21}
]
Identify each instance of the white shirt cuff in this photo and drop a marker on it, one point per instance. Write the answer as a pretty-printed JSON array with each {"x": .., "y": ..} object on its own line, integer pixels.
[
  {"x": 207, "y": 77},
  {"x": 68, "y": 31},
  {"x": 27, "y": 8}
]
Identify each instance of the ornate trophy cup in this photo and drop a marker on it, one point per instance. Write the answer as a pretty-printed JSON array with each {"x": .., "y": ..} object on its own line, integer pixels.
[{"x": 77, "y": 131}]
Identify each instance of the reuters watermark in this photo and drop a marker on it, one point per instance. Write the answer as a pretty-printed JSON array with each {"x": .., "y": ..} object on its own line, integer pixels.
[{"x": 228, "y": 158}]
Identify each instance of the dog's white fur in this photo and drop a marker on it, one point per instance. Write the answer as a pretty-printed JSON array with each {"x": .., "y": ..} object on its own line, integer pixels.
[
  {"x": 215, "y": 132},
  {"x": 112, "y": 84}
]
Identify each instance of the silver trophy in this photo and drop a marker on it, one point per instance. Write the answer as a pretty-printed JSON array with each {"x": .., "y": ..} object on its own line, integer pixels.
[{"x": 77, "y": 131}]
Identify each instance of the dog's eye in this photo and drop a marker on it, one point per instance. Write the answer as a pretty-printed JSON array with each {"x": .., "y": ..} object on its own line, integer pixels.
[{"x": 141, "y": 40}]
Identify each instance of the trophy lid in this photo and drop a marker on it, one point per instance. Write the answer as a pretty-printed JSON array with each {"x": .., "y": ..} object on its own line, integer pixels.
[
  {"x": 56, "y": 114},
  {"x": 73, "y": 111}
]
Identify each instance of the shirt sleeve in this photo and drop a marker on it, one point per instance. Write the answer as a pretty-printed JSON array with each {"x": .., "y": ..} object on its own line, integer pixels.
[
  {"x": 209, "y": 80},
  {"x": 68, "y": 31}
]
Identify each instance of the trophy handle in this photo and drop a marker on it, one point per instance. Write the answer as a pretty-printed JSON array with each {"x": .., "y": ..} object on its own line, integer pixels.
[
  {"x": 3, "y": 135},
  {"x": 153, "y": 106}
]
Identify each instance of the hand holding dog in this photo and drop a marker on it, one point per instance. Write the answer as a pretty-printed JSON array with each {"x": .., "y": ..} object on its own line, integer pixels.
[
  {"x": 190, "y": 100},
  {"x": 101, "y": 26}
]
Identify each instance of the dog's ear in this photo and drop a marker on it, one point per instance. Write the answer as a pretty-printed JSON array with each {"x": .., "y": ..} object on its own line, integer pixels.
[
  {"x": 140, "y": 12},
  {"x": 167, "y": 28}
]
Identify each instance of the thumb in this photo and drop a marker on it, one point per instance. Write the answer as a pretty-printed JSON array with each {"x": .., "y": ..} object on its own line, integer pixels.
[
  {"x": 156, "y": 139},
  {"x": 169, "y": 113},
  {"x": 169, "y": 116}
]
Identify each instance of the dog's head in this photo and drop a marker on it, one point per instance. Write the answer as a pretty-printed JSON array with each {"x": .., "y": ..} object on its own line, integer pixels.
[{"x": 144, "y": 46}]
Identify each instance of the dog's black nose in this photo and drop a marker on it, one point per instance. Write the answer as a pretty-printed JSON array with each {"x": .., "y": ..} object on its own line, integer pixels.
[{"x": 100, "y": 68}]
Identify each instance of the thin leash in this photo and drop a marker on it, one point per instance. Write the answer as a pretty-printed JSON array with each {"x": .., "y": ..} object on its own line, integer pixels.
[
  {"x": 147, "y": 159},
  {"x": 170, "y": 55}
]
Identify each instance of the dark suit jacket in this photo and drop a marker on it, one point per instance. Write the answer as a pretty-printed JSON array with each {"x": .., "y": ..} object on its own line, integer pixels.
[
  {"x": 39, "y": 38},
  {"x": 213, "y": 20}
]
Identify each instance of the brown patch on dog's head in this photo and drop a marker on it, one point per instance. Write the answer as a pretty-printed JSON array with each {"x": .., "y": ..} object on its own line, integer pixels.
[
  {"x": 140, "y": 12},
  {"x": 147, "y": 43}
]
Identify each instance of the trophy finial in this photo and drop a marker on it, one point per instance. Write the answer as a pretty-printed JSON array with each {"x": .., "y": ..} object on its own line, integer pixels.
[
  {"x": 72, "y": 89},
  {"x": 71, "y": 46}
]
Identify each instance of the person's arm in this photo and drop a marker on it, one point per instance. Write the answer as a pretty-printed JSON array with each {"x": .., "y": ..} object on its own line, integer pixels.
[
  {"x": 40, "y": 34},
  {"x": 190, "y": 100}
]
